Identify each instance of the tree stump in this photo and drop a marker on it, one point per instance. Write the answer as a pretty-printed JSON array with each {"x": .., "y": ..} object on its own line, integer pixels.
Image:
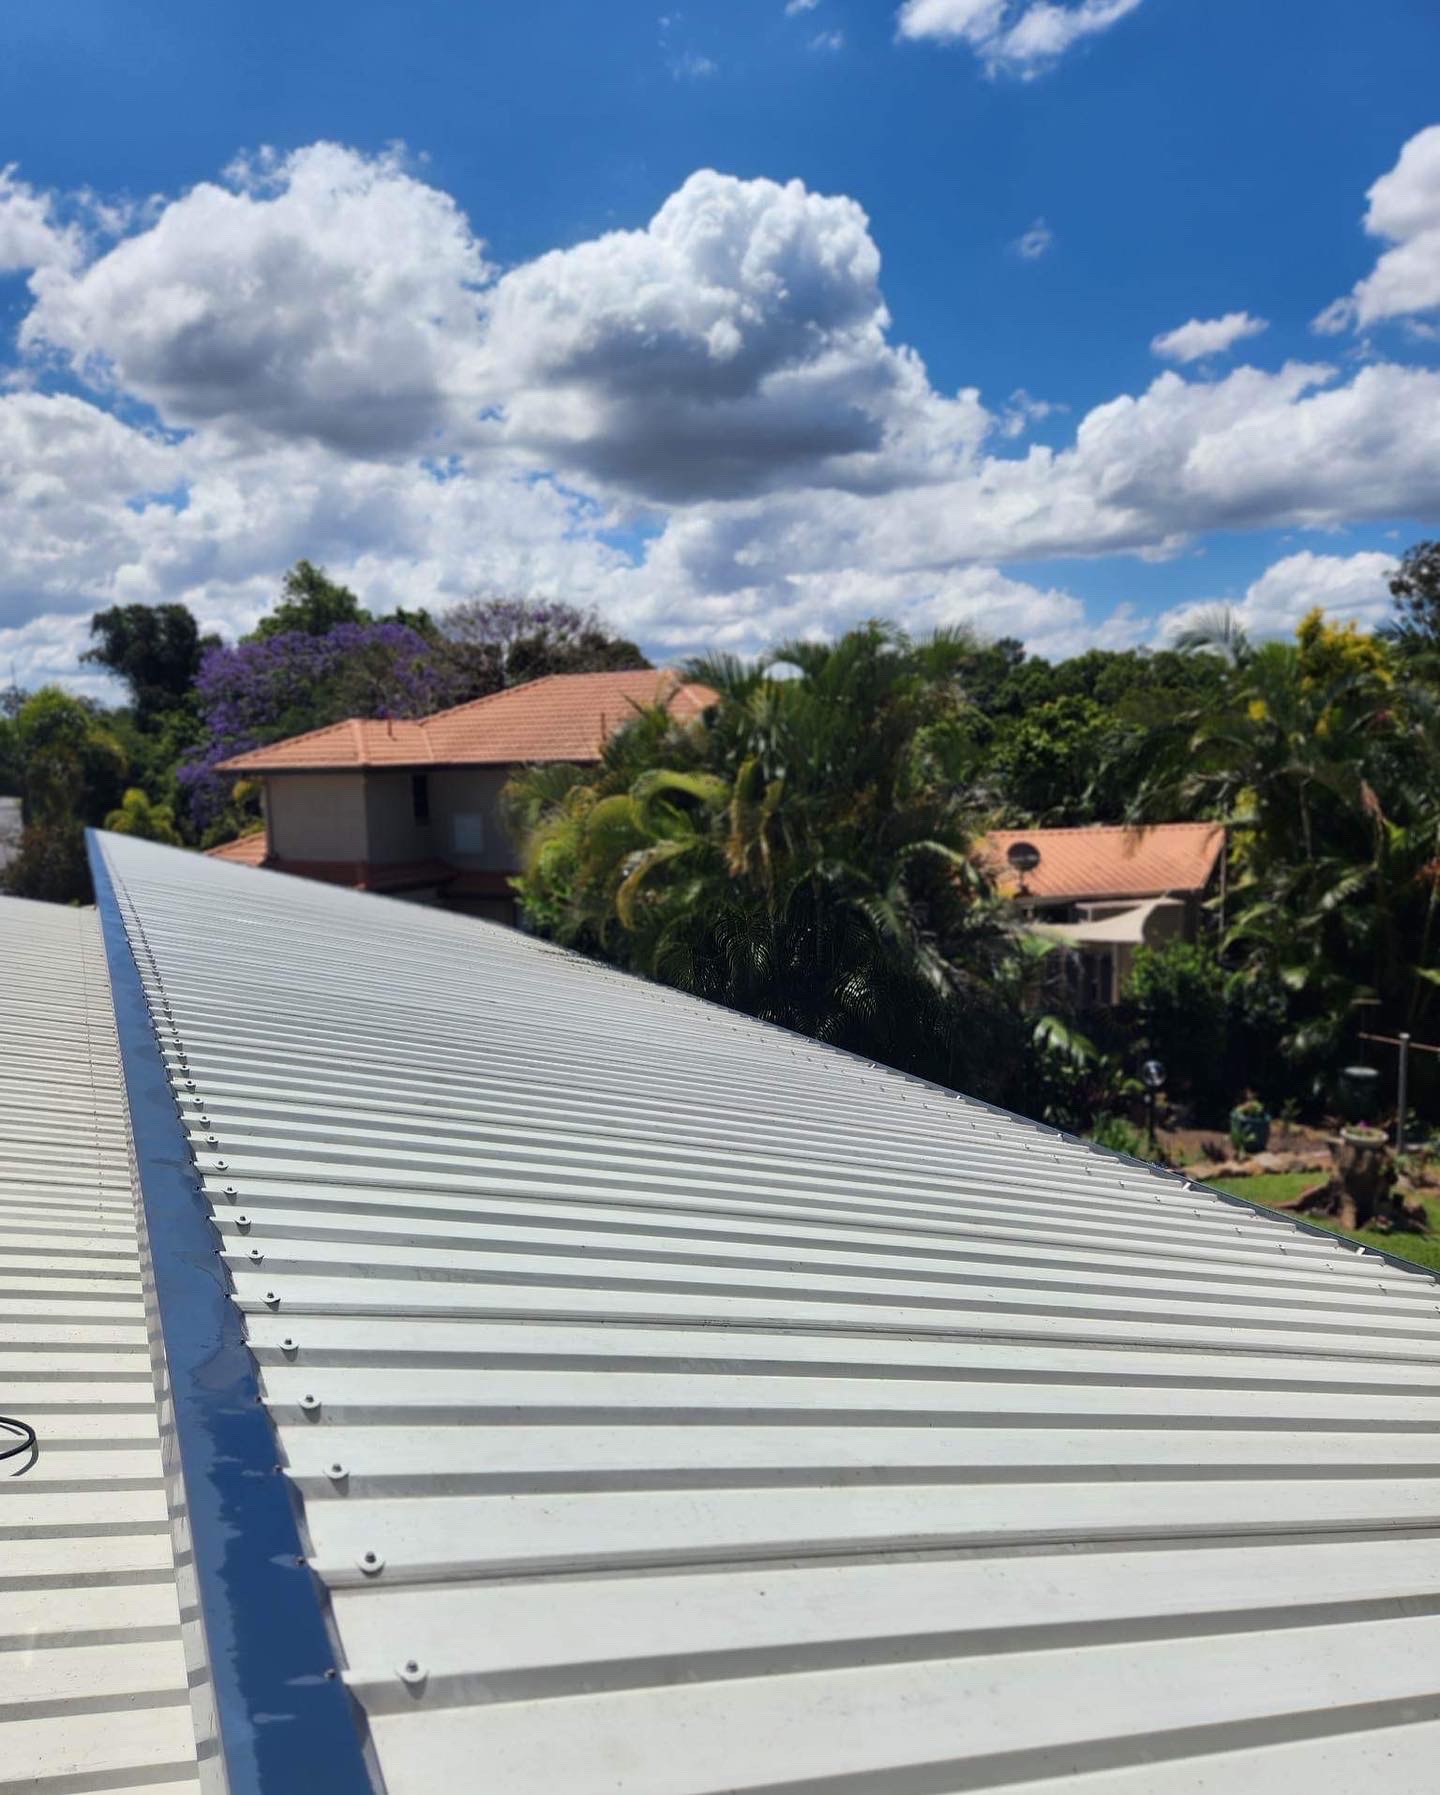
[{"x": 1362, "y": 1191}]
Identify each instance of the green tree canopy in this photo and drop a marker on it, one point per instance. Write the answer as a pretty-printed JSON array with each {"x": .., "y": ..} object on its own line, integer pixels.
[
  {"x": 69, "y": 761},
  {"x": 1327, "y": 766},
  {"x": 1415, "y": 587},
  {"x": 310, "y": 602},
  {"x": 138, "y": 815},
  {"x": 70, "y": 769},
  {"x": 802, "y": 852},
  {"x": 154, "y": 649}
]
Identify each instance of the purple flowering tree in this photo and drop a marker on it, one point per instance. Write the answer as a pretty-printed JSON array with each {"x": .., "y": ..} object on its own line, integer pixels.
[
  {"x": 507, "y": 641},
  {"x": 281, "y": 685}
]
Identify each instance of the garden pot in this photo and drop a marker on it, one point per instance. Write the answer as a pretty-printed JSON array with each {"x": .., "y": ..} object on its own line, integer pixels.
[
  {"x": 1356, "y": 1092},
  {"x": 1251, "y": 1134}
]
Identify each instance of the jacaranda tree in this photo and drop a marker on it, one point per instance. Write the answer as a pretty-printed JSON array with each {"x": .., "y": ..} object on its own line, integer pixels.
[{"x": 279, "y": 685}]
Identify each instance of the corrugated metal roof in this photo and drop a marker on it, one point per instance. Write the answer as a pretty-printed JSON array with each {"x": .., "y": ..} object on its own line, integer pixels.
[
  {"x": 679, "y": 1406},
  {"x": 93, "y": 1690}
]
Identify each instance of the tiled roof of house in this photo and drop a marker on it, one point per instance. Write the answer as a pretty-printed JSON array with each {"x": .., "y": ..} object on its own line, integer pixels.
[
  {"x": 1108, "y": 862},
  {"x": 244, "y": 850},
  {"x": 361, "y": 875},
  {"x": 564, "y": 717}
]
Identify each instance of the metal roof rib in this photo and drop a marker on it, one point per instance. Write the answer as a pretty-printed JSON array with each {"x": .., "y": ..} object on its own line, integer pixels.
[
  {"x": 676, "y": 1406},
  {"x": 93, "y": 1688}
]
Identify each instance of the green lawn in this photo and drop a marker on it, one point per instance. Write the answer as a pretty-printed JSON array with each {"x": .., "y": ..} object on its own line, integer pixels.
[{"x": 1281, "y": 1187}]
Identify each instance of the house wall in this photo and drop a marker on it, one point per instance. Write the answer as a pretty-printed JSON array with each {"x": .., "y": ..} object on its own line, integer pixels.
[
  {"x": 391, "y": 828},
  {"x": 316, "y": 816},
  {"x": 371, "y": 816},
  {"x": 465, "y": 819}
]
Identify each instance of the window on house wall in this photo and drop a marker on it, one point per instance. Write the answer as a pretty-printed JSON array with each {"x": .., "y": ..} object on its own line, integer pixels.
[
  {"x": 420, "y": 797},
  {"x": 467, "y": 832}
]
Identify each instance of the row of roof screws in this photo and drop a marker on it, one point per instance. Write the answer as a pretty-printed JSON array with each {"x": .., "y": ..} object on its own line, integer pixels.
[{"x": 411, "y": 1672}]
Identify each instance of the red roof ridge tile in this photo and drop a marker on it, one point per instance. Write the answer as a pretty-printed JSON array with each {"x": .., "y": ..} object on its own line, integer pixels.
[
  {"x": 1097, "y": 828},
  {"x": 515, "y": 726}
]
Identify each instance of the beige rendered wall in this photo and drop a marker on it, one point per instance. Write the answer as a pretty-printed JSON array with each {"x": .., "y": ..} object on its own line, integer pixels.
[
  {"x": 465, "y": 818},
  {"x": 316, "y": 816},
  {"x": 393, "y": 831},
  {"x": 371, "y": 816}
]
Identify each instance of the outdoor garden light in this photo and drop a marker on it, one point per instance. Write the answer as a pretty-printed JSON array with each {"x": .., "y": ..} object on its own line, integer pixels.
[{"x": 1153, "y": 1074}]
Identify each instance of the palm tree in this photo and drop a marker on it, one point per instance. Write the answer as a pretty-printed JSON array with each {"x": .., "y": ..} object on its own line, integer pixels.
[
  {"x": 139, "y": 815},
  {"x": 1327, "y": 766},
  {"x": 803, "y": 852}
]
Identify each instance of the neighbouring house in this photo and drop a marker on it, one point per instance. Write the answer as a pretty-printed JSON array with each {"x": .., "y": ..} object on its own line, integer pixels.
[
  {"x": 412, "y": 807},
  {"x": 1102, "y": 892}
]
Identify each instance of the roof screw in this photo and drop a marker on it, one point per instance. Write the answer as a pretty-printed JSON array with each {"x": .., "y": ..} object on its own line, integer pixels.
[
  {"x": 371, "y": 1563},
  {"x": 310, "y": 1403},
  {"x": 412, "y": 1671},
  {"x": 229, "y": 1190},
  {"x": 256, "y": 1256},
  {"x": 290, "y": 1345},
  {"x": 272, "y": 1299},
  {"x": 220, "y": 1165},
  {"x": 337, "y": 1473},
  {"x": 189, "y": 1084},
  {"x": 242, "y": 1222},
  {"x": 212, "y": 1140}
]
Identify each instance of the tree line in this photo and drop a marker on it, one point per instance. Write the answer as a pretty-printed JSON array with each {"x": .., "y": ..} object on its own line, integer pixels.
[{"x": 805, "y": 850}]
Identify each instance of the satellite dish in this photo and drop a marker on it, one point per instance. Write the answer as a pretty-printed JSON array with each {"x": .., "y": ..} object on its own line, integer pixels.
[{"x": 1024, "y": 856}]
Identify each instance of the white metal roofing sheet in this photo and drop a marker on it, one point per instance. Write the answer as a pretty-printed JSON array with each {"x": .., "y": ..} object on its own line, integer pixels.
[
  {"x": 678, "y": 1406},
  {"x": 93, "y": 1689}
]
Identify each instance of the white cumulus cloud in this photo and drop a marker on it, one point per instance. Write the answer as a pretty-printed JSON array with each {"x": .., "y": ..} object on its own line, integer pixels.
[
  {"x": 1348, "y": 588},
  {"x": 1207, "y": 336},
  {"x": 323, "y": 294},
  {"x": 1404, "y": 211},
  {"x": 703, "y": 425},
  {"x": 31, "y": 236},
  {"x": 1016, "y": 36},
  {"x": 737, "y": 342}
]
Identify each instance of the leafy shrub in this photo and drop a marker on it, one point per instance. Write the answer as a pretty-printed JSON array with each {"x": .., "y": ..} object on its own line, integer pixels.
[
  {"x": 1117, "y": 1134},
  {"x": 1179, "y": 996}
]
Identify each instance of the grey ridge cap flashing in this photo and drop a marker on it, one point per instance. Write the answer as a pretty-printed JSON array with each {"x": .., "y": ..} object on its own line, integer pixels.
[{"x": 280, "y": 1718}]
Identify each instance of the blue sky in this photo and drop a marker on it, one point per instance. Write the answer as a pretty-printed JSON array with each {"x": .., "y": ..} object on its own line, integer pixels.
[{"x": 263, "y": 269}]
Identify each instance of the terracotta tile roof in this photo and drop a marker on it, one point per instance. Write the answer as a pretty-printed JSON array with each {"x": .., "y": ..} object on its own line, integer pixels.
[
  {"x": 1106, "y": 862},
  {"x": 370, "y": 875},
  {"x": 566, "y": 716},
  {"x": 360, "y": 875},
  {"x": 246, "y": 850}
]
